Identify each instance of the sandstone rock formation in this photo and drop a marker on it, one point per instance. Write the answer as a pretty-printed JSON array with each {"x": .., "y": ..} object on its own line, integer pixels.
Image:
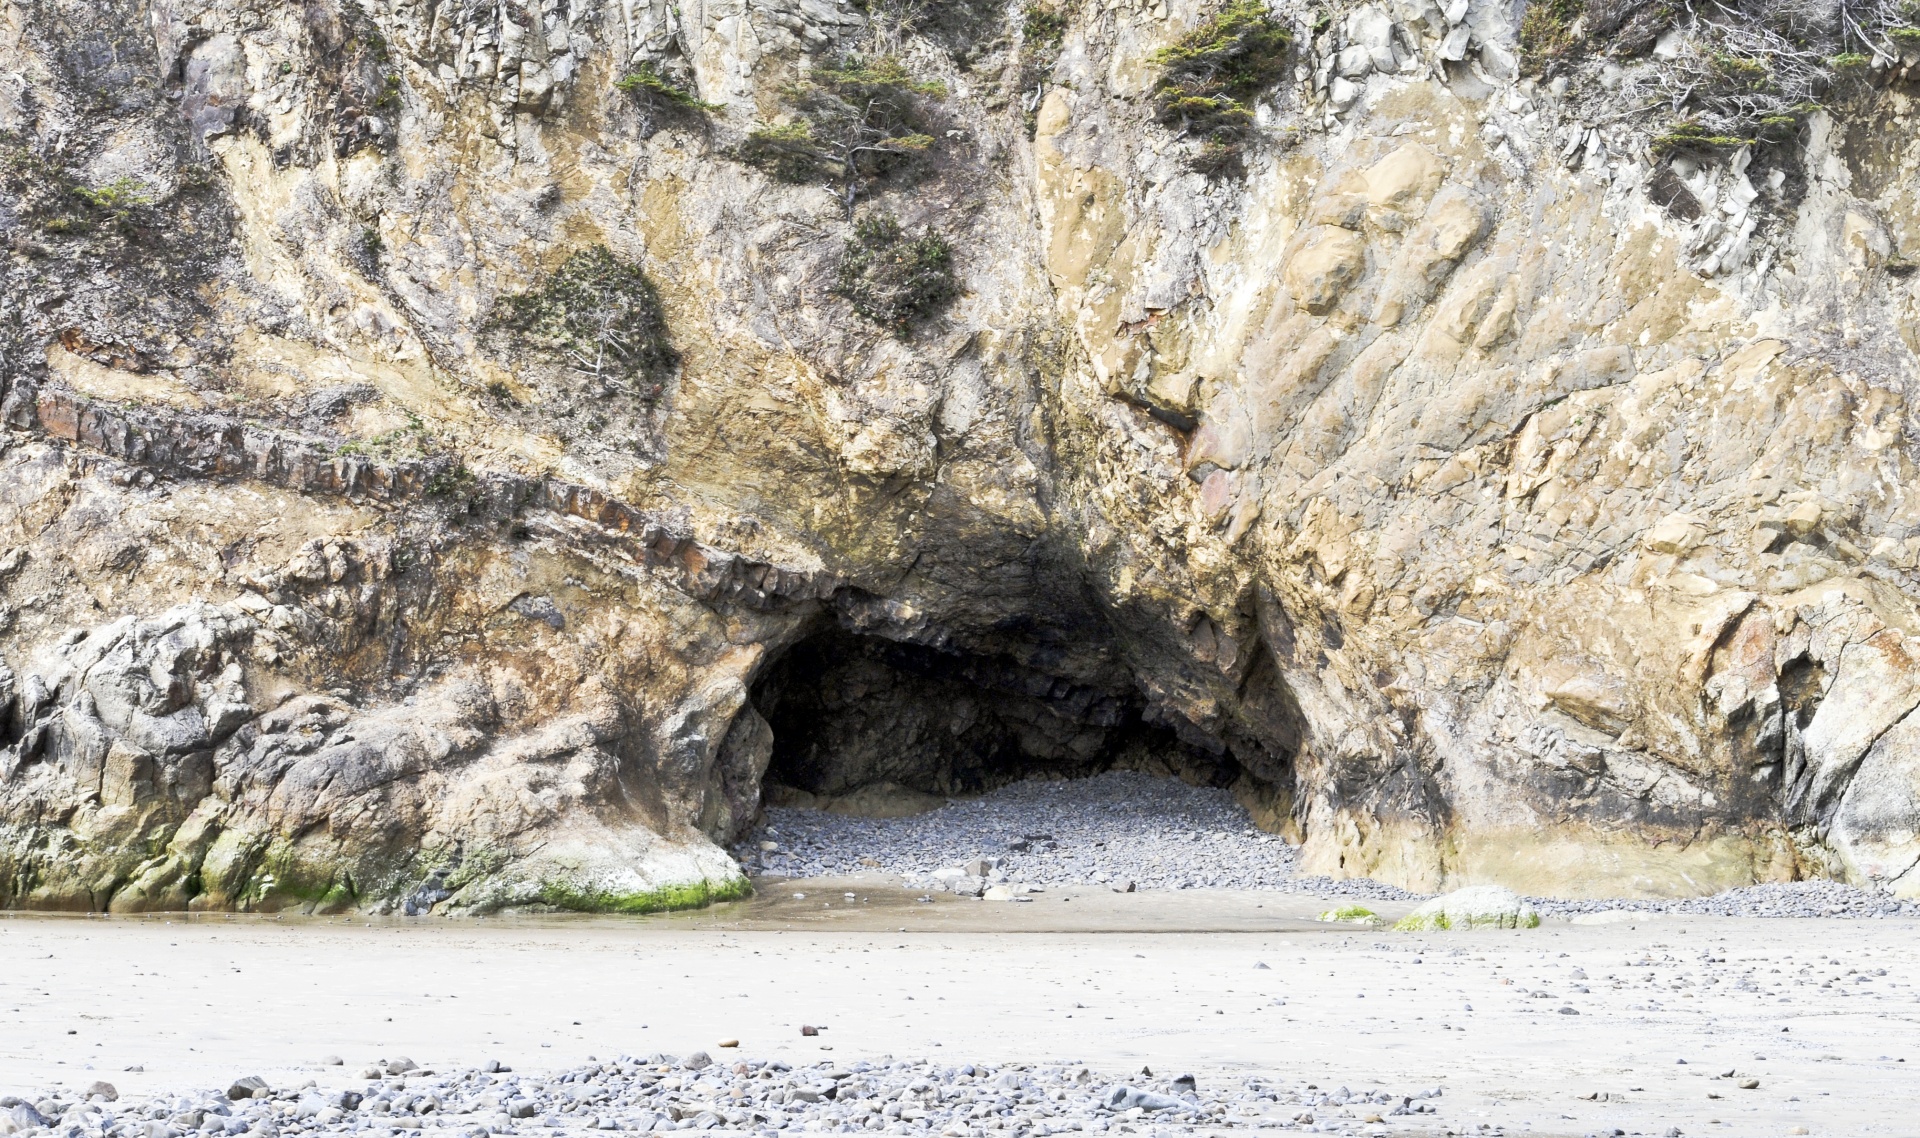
[{"x": 1487, "y": 490}]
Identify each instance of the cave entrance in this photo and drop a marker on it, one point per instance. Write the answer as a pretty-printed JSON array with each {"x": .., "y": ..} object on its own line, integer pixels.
[{"x": 872, "y": 726}]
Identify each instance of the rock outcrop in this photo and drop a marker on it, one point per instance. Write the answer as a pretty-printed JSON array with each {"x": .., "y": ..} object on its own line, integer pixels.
[
  {"x": 1475, "y": 907},
  {"x": 1491, "y": 480}
]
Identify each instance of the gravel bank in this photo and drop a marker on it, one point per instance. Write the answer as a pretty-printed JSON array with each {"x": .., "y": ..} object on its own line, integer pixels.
[
  {"x": 1135, "y": 831},
  {"x": 1119, "y": 828},
  {"x": 1789, "y": 899},
  {"x": 1157, "y": 832},
  {"x": 732, "y": 1096}
]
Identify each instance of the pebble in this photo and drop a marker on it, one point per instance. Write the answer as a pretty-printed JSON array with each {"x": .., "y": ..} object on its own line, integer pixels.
[
  {"x": 662, "y": 1092},
  {"x": 1783, "y": 899},
  {"x": 1128, "y": 831},
  {"x": 1121, "y": 830}
]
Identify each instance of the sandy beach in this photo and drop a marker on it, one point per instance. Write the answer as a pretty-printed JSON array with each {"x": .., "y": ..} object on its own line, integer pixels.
[{"x": 1116, "y": 982}]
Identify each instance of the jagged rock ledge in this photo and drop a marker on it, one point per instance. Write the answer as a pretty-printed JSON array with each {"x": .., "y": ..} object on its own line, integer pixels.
[{"x": 214, "y": 447}]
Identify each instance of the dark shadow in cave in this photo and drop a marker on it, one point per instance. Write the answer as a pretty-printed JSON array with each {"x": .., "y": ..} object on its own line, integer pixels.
[{"x": 858, "y": 714}]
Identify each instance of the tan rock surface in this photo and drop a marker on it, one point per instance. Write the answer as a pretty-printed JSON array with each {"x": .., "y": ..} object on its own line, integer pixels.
[{"x": 1481, "y": 520}]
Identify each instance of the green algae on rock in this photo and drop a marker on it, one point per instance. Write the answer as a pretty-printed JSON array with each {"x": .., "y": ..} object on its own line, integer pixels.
[
  {"x": 1475, "y": 907},
  {"x": 670, "y": 898}
]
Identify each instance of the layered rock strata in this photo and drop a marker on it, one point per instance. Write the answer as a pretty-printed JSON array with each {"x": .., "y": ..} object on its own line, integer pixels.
[{"x": 1485, "y": 492}]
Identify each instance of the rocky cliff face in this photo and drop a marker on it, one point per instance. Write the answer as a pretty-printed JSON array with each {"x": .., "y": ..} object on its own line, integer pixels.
[{"x": 1487, "y": 480}]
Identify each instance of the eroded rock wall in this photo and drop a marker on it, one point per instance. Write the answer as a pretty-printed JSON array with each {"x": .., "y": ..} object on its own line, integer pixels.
[
  {"x": 1572, "y": 528},
  {"x": 1486, "y": 515}
]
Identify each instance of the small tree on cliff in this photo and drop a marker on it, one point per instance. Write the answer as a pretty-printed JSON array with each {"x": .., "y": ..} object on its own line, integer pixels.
[
  {"x": 1210, "y": 77},
  {"x": 851, "y": 125},
  {"x": 601, "y": 315},
  {"x": 894, "y": 279}
]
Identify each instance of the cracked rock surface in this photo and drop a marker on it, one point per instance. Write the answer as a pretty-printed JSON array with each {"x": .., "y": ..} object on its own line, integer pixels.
[{"x": 1476, "y": 490}]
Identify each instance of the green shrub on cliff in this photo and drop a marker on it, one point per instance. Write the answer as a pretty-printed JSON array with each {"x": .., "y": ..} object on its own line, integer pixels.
[
  {"x": 1548, "y": 32},
  {"x": 1693, "y": 138},
  {"x": 894, "y": 280},
  {"x": 851, "y": 125},
  {"x": 601, "y": 315},
  {"x": 45, "y": 193},
  {"x": 1211, "y": 75},
  {"x": 1733, "y": 75},
  {"x": 1043, "y": 29},
  {"x": 116, "y": 199},
  {"x": 646, "y": 84}
]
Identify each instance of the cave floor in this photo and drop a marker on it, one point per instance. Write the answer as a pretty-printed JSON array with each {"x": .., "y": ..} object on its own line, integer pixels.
[{"x": 1169, "y": 980}]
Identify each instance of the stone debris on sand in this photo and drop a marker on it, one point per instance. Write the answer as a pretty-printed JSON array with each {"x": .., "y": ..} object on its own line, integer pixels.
[
  {"x": 1775, "y": 899},
  {"x": 750, "y": 1096},
  {"x": 1125, "y": 830},
  {"x": 1121, "y": 828}
]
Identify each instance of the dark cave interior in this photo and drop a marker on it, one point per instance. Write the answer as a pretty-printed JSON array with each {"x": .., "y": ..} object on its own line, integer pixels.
[{"x": 852, "y": 712}]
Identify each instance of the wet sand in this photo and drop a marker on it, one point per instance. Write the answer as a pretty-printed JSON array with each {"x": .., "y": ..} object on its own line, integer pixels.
[{"x": 1167, "y": 980}]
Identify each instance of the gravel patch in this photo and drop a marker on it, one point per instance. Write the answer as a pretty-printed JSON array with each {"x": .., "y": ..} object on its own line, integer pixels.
[
  {"x": 1157, "y": 832},
  {"x": 1120, "y": 829},
  {"x": 1787, "y": 899},
  {"x": 727, "y": 1097},
  {"x": 1128, "y": 831}
]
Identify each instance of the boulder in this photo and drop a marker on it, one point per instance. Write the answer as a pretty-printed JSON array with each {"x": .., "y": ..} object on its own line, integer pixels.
[
  {"x": 22, "y": 1117},
  {"x": 1475, "y": 907},
  {"x": 1126, "y": 1098}
]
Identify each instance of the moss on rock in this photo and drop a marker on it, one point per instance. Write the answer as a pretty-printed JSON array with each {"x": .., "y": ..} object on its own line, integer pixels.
[
  {"x": 699, "y": 894},
  {"x": 1475, "y": 907}
]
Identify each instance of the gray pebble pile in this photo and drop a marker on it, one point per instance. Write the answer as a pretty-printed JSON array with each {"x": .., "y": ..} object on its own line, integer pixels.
[
  {"x": 1128, "y": 831},
  {"x": 1788, "y": 899},
  {"x": 1157, "y": 833},
  {"x": 732, "y": 1097}
]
